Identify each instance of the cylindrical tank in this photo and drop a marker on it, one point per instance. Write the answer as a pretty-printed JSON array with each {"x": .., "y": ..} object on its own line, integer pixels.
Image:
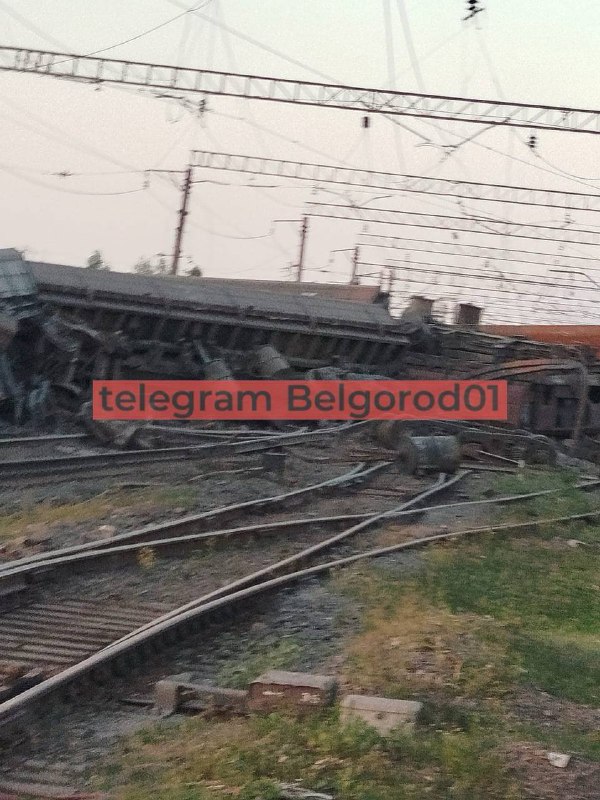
[
  {"x": 428, "y": 453},
  {"x": 217, "y": 370},
  {"x": 269, "y": 362},
  {"x": 419, "y": 453}
]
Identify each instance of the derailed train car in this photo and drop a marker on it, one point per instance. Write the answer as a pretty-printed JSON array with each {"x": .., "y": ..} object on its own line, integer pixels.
[{"x": 62, "y": 326}]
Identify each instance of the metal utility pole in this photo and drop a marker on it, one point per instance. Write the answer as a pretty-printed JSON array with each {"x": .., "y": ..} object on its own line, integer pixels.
[
  {"x": 354, "y": 277},
  {"x": 303, "y": 234},
  {"x": 183, "y": 212}
]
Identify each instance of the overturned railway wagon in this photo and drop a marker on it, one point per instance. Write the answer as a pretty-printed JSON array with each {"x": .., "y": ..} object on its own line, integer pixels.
[{"x": 63, "y": 326}]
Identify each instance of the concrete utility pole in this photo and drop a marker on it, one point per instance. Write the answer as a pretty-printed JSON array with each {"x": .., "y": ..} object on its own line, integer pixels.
[
  {"x": 354, "y": 277},
  {"x": 183, "y": 212},
  {"x": 303, "y": 235}
]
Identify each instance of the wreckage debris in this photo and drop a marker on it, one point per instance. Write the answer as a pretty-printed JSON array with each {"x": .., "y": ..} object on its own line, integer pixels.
[{"x": 62, "y": 327}]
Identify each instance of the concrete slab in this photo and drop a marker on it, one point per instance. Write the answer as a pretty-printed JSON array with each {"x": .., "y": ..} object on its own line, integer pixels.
[
  {"x": 382, "y": 713},
  {"x": 277, "y": 689}
]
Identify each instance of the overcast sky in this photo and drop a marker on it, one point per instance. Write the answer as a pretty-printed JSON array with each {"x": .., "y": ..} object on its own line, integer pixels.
[{"x": 536, "y": 51}]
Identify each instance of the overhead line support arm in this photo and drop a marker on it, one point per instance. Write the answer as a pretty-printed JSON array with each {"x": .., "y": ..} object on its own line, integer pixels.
[{"x": 210, "y": 82}]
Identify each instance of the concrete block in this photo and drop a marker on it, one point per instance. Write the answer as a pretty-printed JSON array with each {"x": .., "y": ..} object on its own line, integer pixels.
[
  {"x": 560, "y": 760},
  {"x": 167, "y": 697},
  {"x": 171, "y": 696},
  {"x": 382, "y": 713},
  {"x": 277, "y": 689},
  {"x": 204, "y": 697}
]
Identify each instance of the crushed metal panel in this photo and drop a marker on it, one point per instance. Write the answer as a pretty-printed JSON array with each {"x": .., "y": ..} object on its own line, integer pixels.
[{"x": 8, "y": 330}]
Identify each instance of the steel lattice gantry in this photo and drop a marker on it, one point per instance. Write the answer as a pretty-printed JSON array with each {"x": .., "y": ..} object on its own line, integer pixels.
[
  {"x": 209, "y": 82},
  {"x": 350, "y": 176}
]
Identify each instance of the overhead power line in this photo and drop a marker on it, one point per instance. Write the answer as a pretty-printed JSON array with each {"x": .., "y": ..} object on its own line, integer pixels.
[
  {"x": 503, "y": 277},
  {"x": 389, "y": 216},
  {"x": 209, "y": 82},
  {"x": 53, "y": 132},
  {"x": 254, "y": 42},
  {"x": 328, "y": 173},
  {"x": 481, "y": 252},
  {"x": 146, "y": 32},
  {"x": 17, "y": 173},
  {"x": 412, "y": 271},
  {"x": 27, "y": 23}
]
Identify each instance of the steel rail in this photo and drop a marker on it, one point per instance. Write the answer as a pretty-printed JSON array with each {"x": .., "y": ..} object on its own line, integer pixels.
[
  {"x": 84, "y": 463},
  {"x": 357, "y": 473},
  {"x": 57, "y": 559},
  {"x": 284, "y": 564},
  {"x": 232, "y": 588},
  {"x": 210, "y": 433},
  {"x": 13, "y": 709},
  {"x": 144, "y": 633},
  {"x": 13, "y": 441},
  {"x": 175, "y": 430}
]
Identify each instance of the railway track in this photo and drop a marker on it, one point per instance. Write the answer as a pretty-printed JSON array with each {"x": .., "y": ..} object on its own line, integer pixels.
[
  {"x": 8, "y": 442},
  {"x": 45, "y": 638},
  {"x": 163, "y": 431},
  {"x": 138, "y": 644},
  {"x": 358, "y": 475},
  {"x": 88, "y": 464},
  {"x": 49, "y": 627},
  {"x": 17, "y": 571},
  {"x": 36, "y": 635}
]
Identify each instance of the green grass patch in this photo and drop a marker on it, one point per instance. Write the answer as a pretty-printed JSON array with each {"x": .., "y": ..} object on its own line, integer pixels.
[
  {"x": 145, "y": 500},
  {"x": 562, "y": 668},
  {"x": 410, "y": 647},
  {"x": 547, "y": 594},
  {"x": 258, "y": 658},
  {"x": 568, "y": 739},
  {"x": 249, "y": 759},
  {"x": 483, "y": 616},
  {"x": 565, "y": 498}
]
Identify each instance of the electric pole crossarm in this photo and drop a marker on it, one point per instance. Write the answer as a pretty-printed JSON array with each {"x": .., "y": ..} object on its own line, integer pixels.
[
  {"x": 327, "y": 173},
  {"x": 208, "y": 82}
]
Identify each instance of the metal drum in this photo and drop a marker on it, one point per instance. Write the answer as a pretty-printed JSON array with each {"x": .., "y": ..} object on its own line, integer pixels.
[
  {"x": 217, "y": 370},
  {"x": 428, "y": 454},
  {"x": 269, "y": 362}
]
